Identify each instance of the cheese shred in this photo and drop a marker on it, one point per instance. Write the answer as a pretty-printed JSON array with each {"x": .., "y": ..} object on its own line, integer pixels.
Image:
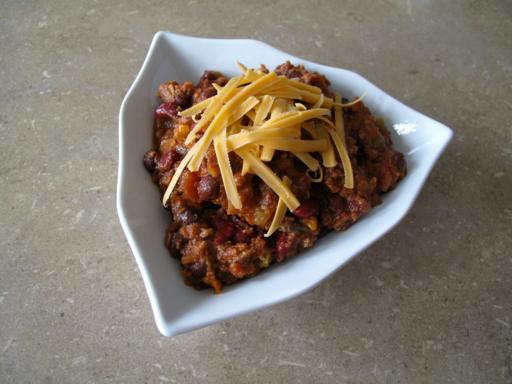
[
  {"x": 338, "y": 136},
  {"x": 280, "y": 211},
  {"x": 226, "y": 172}
]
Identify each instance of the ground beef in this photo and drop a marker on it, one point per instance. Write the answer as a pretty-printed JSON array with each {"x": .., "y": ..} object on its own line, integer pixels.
[
  {"x": 300, "y": 73},
  {"x": 176, "y": 94},
  {"x": 217, "y": 244},
  {"x": 205, "y": 87}
]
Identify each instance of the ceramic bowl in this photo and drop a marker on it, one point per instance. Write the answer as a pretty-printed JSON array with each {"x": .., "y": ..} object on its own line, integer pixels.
[{"x": 178, "y": 308}]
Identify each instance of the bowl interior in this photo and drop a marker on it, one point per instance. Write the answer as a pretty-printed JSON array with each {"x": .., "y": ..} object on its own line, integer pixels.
[{"x": 178, "y": 308}]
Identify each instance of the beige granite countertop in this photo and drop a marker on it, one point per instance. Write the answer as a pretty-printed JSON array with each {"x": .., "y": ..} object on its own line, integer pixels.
[{"x": 429, "y": 303}]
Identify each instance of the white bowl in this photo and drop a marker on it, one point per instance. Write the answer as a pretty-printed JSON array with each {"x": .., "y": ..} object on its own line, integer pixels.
[{"x": 178, "y": 308}]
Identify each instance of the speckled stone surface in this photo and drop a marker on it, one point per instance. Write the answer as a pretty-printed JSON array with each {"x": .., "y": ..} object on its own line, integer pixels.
[{"x": 429, "y": 303}]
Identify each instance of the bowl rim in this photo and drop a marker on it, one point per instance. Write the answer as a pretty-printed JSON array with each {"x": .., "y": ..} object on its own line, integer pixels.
[{"x": 170, "y": 329}]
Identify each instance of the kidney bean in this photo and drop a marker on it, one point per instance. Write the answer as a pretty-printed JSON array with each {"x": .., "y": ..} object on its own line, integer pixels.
[
  {"x": 307, "y": 209},
  {"x": 174, "y": 241},
  {"x": 166, "y": 110},
  {"x": 165, "y": 162},
  {"x": 168, "y": 159},
  {"x": 197, "y": 269},
  {"x": 207, "y": 188},
  {"x": 150, "y": 160},
  {"x": 180, "y": 150},
  {"x": 176, "y": 154}
]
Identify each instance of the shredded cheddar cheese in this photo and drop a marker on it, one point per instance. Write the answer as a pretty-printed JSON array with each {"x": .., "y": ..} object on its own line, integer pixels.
[
  {"x": 228, "y": 179},
  {"x": 256, "y": 114},
  {"x": 312, "y": 163},
  {"x": 338, "y": 136},
  {"x": 280, "y": 211},
  {"x": 279, "y": 107},
  {"x": 328, "y": 155}
]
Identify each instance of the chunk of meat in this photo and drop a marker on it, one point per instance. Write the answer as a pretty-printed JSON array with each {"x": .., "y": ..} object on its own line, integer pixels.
[
  {"x": 205, "y": 89},
  {"x": 208, "y": 188},
  {"x": 178, "y": 94},
  {"x": 299, "y": 72}
]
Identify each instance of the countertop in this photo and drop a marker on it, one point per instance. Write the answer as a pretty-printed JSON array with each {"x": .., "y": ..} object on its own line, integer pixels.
[{"x": 429, "y": 303}]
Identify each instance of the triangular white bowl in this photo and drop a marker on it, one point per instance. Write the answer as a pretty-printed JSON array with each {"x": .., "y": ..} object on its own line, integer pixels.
[{"x": 178, "y": 308}]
